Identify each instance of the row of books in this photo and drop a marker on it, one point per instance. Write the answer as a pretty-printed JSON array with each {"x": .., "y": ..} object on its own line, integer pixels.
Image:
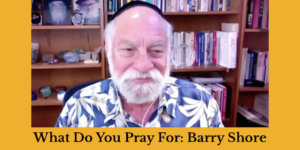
[
  {"x": 255, "y": 68},
  {"x": 219, "y": 92},
  {"x": 178, "y": 5},
  {"x": 258, "y": 14},
  {"x": 204, "y": 48},
  {"x": 213, "y": 83}
]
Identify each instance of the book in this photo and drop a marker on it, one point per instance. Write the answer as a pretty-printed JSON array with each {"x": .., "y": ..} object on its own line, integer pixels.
[
  {"x": 230, "y": 27},
  {"x": 227, "y": 49},
  {"x": 243, "y": 69},
  {"x": 256, "y": 6},
  {"x": 261, "y": 10},
  {"x": 206, "y": 78},
  {"x": 249, "y": 13},
  {"x": 265, "y": 14},
  {"x": 223, "y": 101}
]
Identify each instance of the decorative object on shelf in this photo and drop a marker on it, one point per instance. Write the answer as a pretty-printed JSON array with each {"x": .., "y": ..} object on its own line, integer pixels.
[
  {"x": 57, "y": 12},
  {"x": 85, "y": 56},
  {"x": 36, "y": 18},
  {"x": 90, "y": 9},
  {"x": 45, "y": 91},
  {"x": 33, "y": 96},
  {"x": 61, "y": 54},
  {"x": 53, "y": 60},
  {"x": 34, "y": 52},
  {"x": 94, "y": 57},
  {"x": 46, "y": 57},
  {"x": 61, "y": 95},
  {"x": 71, "y": 57},
  {"x": 77, "y": 18}
]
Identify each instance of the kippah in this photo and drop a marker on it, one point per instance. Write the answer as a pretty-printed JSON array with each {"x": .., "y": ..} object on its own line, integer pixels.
[{"x": 134, "y": 4}]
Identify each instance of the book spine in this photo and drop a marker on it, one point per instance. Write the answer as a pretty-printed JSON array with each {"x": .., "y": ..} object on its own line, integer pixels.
[
  {"x": 251, "y": 65},
  {"x": 261, "y": 10},
  {"x": 202, "y": 50},
  {"x": 249, "y": 14},
  {"x": 265, "y": 14},
  {"x": 214, "y": 47},
  {"x": 110, "y": 5},
  {"x": 256, "y": 6},
  {"x": 228, "y": 5},
  {"x": 198, "y": 48}
]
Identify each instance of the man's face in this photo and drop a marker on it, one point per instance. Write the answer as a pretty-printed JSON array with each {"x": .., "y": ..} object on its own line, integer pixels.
[
  {"x": 57, "y": 6},
  {"x": 139, "y": 53},
  {"x": 88, "y": 5}
]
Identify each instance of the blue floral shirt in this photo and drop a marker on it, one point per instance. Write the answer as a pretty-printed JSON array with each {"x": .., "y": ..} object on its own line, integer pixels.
[{"x": 182, "y": 104}]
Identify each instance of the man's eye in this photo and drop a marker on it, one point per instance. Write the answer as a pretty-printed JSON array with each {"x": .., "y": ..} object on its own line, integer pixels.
[
  {"x": 128, "y": 49},
  {"x": 157, "y": 53}
]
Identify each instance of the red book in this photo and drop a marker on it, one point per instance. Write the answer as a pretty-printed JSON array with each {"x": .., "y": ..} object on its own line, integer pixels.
[
  {"x": 195, "y": 48},
  {"x": 224, "y": 100},
  {"x": 214, "y": 47},
  {"x": 256, "y": 5}
]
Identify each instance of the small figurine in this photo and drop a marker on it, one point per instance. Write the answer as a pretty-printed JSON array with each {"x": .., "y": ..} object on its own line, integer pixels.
[
  {"x": 46, "y": 91},
  {"x": 71, "y": 57},
  {"x": 77, "y": 18},
  {"x": 33, "y": 96},
  {"x": 53, "y": 60},
  {"x": 46, "y": 57},
  {"x": 34, "y": 52}
]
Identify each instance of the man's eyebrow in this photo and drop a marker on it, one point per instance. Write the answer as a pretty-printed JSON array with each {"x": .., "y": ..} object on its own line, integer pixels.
[
  {"x": 157, "y": 44},
  {"x": 126, "y": 42}
]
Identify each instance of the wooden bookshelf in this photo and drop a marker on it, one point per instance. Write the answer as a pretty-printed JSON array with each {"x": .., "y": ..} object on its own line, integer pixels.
[
  {"x": 254, "y": 89},
  {"x": 50, "y": 101},
  {"x": 253, "y": 39},
  {"x": 207, "y": 68},
  {"x": 66, "y": 27},
  {"x": 256, "y": 30},
  {"x": 64, "y": 66},
  {"x": 53, "y": 39}
]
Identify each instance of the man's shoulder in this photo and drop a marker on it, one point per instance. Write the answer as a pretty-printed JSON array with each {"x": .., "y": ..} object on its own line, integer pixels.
[
  {"x": 187, "y": 90},
  {"x": 90, "y": 88}
]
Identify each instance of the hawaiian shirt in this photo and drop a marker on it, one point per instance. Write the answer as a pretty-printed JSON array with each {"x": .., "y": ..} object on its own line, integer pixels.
[{"x": 181, "y": 104}]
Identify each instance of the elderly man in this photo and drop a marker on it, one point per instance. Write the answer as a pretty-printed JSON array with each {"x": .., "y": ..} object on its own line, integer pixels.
[
  {"x": 56, "y": 12},
  {"x": 90, "y": 10},
  {"x": 140, "y": 92}
]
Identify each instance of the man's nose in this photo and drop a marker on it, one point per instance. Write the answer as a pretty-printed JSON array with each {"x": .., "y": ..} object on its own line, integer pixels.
[{"x": 143, "y": 62}]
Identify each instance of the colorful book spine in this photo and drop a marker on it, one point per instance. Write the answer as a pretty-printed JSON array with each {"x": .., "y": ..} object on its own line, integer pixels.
[{"x": 256, "y": 6}]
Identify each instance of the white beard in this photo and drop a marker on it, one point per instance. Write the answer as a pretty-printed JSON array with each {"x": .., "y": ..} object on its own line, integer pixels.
[
  {"x": 58, "y": 17},
  {"x": 140, "y": 93}
]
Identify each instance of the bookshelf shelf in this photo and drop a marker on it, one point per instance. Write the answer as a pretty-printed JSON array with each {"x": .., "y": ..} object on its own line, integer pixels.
[
  {"x": 63, "y": 66},
  {"x": 50, "y": 101},
  {"x": 66, "y": 27},
  {"x": 206, "y": 68},
  {"x": 256, "y": 30},
  {"x": 254, "y": 89}
]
